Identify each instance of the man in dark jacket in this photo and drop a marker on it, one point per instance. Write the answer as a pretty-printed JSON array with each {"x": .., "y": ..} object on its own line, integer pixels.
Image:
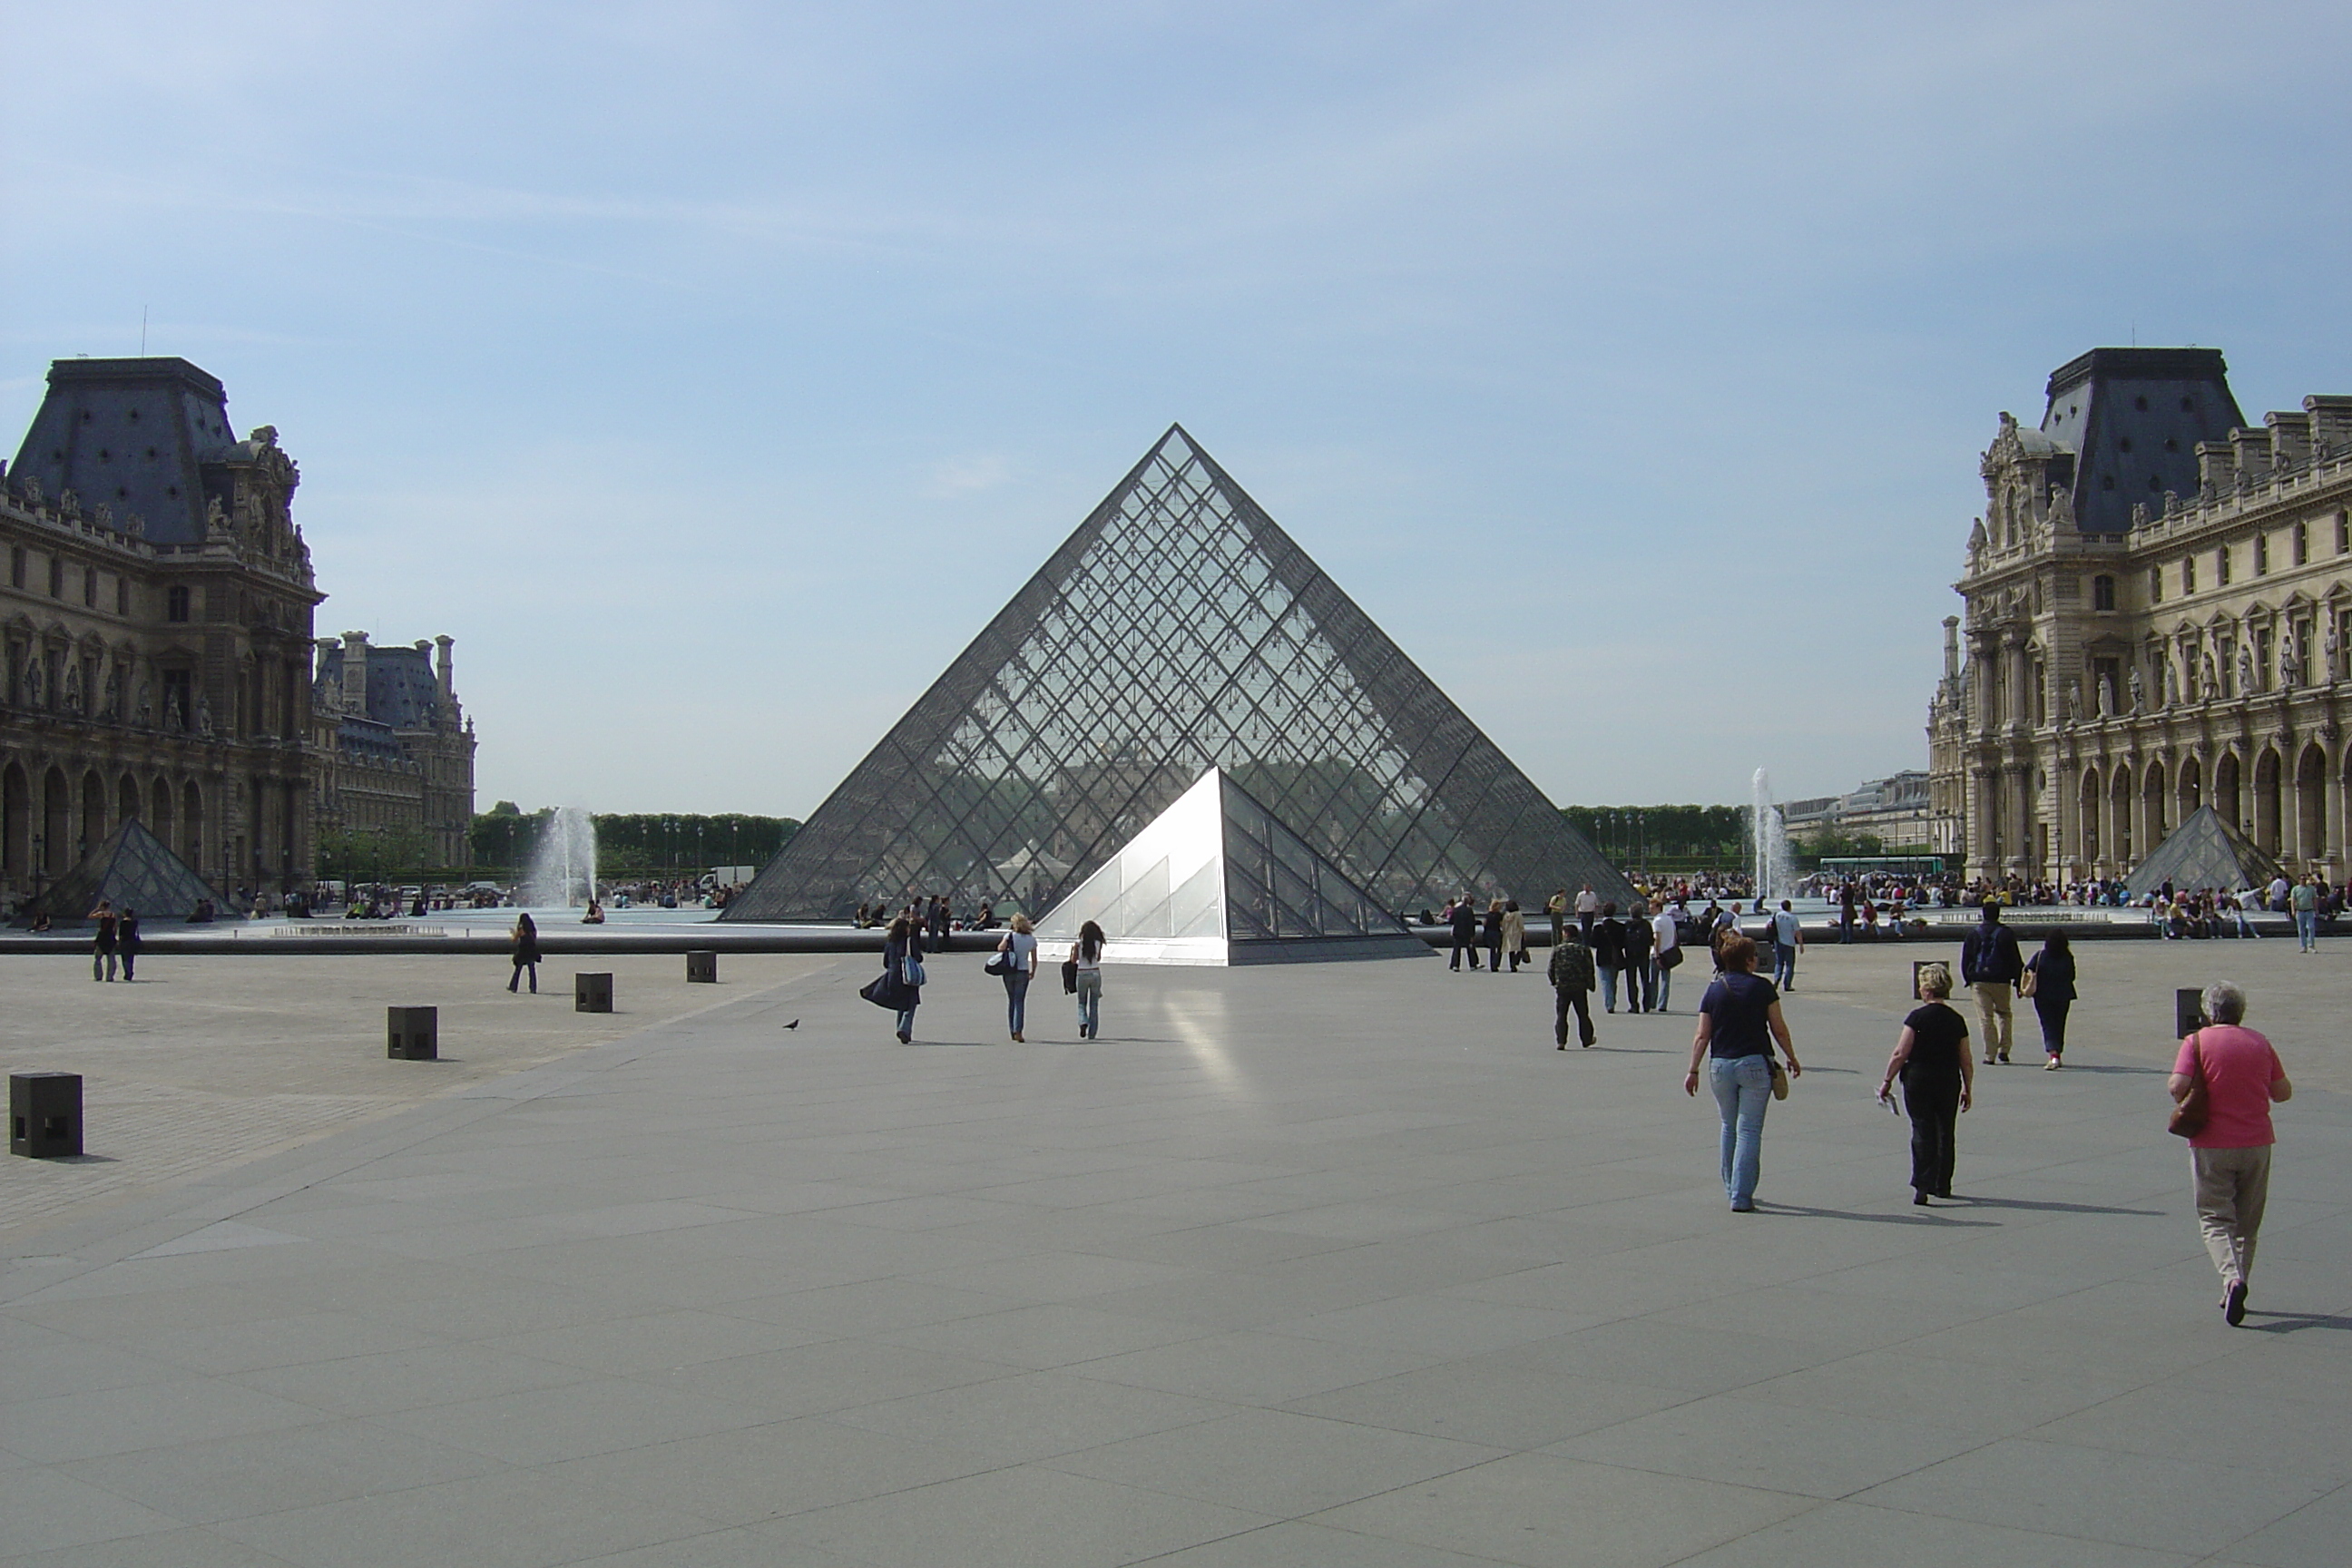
[
  {"x": 1571, "y": 982},
  {"x": 1641, "y": 988},
  {"x": 1465, "y": 931},
  {"x": 1990, "y": 965},
  {"x": 1609, "y": 953}
]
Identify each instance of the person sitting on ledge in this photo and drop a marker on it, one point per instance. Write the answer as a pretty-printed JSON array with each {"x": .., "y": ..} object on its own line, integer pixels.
[{"x": 595, "y": 915}]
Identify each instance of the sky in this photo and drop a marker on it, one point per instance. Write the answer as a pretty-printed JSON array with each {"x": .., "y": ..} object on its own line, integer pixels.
[{"x": 712, "y": 373}]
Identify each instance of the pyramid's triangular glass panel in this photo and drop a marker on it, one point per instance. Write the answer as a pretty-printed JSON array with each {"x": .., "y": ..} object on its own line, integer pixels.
[
  {"x": 130, "y": 869},
  {"x": 1178, "y": 629},
  {"x": 2204, "y": 851},
  {"x": 1217, "y": 879}
]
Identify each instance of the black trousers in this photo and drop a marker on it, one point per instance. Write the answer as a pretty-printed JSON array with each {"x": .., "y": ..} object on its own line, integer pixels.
[
  {"x": 1577, "y": 1000},
  {"x": 1463, "y": 944},
  {"x": 1641, "y": 990},
  {"x": 1495, "y": 955},
  {"x": 1934, "y": 1108},
  {"x": 2052, "y": 1011}
]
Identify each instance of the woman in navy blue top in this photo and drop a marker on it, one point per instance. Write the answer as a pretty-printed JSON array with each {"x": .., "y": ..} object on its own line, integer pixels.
[{"x": 1738, "y": 1020}]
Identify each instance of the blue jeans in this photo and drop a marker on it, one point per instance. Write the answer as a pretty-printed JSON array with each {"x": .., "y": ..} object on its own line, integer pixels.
[
  {"x": 1742, "y": 1086},
  {"x": 1784, "y": 965},
  {"x": 906, "y": 1020},
  {"x": 2306, "y": 929},
  {"x": 1662, "y": 984},
  {"x": 1608, "y": 988},
  {"x": 1089, "y": 1002},
  {"x": 1016, "y": 1000}
]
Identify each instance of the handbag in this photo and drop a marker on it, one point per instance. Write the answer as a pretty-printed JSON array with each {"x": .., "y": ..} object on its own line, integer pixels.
[
  {"x": 1780, "y": 1081},
  {"x": 2188, "y": 1117},
  {"x": 2026, "y": 986},
  {"x": 915, "y": 976},
  {"x": 1070, "y": 975},
  {"x": 999, "y": 962},
  {"x": 1672, "y": 957}
]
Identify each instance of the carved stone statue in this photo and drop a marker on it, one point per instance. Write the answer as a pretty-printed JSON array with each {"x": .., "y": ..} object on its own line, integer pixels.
[
  {"x": 146, "y": 706},
  {"x": 2290, "y": 660},
  {"x": 174, "y": 720},
  {"x": 135, "y": 526},
  {"x": 2212, "y": 677},
  {"x": 1976, "y": 542},
  {"x": 2137, "y": 687},
  {"x": 111, "y": 707},
  {"x": 204, "y": 716},
  {"x": 2074, "y": 709},
  {"x": 2061, "y": 508},
  {"x": 104, "y": 516},
  {"x": 2245, "y": 671},
  {"x": 73, "y": 687},
  {"x": 37, "y": 681},
  {"x": 215, "y": 520},
  {"x": 2335, "y": 655},
  {"x": 69, "y": 502},
  {"x": 2107, "y": 697}
]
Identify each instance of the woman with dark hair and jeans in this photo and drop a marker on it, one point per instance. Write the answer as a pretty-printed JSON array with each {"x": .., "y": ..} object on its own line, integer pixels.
[
  {"x": 1087, "y": 951},
  {"x": 902, "y": 956},
  {"x": 1738, "y": 1023},
  {"x": 524, "y": 949},
  {"x": 2050, "y": 974},
  {"x": 1939, "y": 1082}
]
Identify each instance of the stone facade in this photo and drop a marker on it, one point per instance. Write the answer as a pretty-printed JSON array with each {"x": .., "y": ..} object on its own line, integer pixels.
[
  {"x": 2158, "y": 616},
  {"x": 155, "y": 623},
  {"x": 395, "y": 749}
]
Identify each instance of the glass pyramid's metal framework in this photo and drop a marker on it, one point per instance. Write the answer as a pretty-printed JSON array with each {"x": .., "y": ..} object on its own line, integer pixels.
[
  {"x": 1178, "y": 629},
  {"x": 133, "y": 869},
  {"x": 1215, "y": 879}
]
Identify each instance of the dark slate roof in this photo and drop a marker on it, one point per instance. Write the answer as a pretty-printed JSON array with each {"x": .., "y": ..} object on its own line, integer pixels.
[
  {"x": 2133, "y": 418},
  {"x": 366, "y": 738},
  {"x": 132, "y": 433},
  {"x": 402, "y": 690}
]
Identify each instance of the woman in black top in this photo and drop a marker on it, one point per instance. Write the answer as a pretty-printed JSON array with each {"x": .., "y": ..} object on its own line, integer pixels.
[
  {"x": 1494, "y": 935},
  {"x": 1738, "y": 1023},
  {"x": 2052, "y": 970},
  {"x": 525, "y": 951},
  {"x": 103, "y": 950},
  {"x": 902, "y": 954},
  {"x": 1939, "y": 1082}
]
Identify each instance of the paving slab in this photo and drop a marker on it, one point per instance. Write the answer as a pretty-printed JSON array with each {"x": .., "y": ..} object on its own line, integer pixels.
[{"x": 1338, "y": 1264}]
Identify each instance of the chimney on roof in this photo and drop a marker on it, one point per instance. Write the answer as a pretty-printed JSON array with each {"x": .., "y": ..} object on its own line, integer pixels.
[
  {"x": 1951, "y": 647},
  {"x": 444, "y": 675},
  {"x": 355, "y": 652},
  {"x": 2331, "y": 421}
]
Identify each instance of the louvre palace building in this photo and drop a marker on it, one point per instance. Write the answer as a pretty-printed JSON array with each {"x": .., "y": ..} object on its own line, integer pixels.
[
  {"x": 2158, "y": 614},
  {"x": 156, "y": 618}
]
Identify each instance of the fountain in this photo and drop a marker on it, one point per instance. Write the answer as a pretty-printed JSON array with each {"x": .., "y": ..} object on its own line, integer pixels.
[
  {"x": 563, "y": 862},
  {"x": 1775, "y": 871}
]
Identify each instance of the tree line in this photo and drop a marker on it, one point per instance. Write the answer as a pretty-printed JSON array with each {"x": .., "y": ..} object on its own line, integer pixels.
[{"x": 637, "y": 842}]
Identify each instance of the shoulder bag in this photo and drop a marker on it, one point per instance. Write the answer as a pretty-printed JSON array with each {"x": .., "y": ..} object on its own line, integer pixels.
[
  {"x": 1780, "y": 1080},
  {"x": 2188, "y": 1117},
  {"x": 1070, "y": 974},
  {"x": 999, "y": 962},
  {"x": 2032, "y": 980}
]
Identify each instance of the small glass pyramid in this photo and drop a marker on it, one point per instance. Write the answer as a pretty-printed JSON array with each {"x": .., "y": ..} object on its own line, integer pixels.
[
  {"x": 1216, "y": 879},
  {"x": 131, "y": 869}
]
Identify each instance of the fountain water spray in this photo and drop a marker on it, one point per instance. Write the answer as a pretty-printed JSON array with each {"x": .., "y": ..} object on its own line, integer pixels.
[
  {"x": 563, "y": 863},
  {"x": 1775, "y": 869}
]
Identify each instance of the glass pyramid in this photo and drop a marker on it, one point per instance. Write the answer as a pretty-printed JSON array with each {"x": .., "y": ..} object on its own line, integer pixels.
[
  {"x": 1178, "y": 629},
  {"x": 1216, "y": 879},
  {"x": 132, "y": 868}
]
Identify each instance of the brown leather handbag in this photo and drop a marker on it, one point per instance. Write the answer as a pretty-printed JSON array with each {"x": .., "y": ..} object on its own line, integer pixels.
[{"x": 2189, "y": 1115}]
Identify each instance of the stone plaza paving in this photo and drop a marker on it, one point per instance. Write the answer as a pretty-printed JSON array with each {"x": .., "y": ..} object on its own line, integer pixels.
[{"x": 1327, "y": 1265}]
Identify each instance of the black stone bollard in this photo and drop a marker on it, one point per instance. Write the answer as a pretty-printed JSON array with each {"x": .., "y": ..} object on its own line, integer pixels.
[
  {"x": 2187, "y": 1011},
  {"x": 412, "y": 1034},
  {"x": 702, "y": 967},
  {"x": 592, "y": 993},
  {"x": 1917, "y": 965},
  {"x": 45, "y": 1114}
]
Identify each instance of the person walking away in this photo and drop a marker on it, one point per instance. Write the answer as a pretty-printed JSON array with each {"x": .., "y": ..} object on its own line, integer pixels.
[
  {"x": 1020, "y": 948},
  {"x": 902, "y": 956},
  {"x": 1465, "y": 933},
  {"x": 126, "y": 938},
  {"x": 1990, "y": 965},
  {"x": 1938, "y": 1082},
  {"x": 1556, "y": 908},
  {"x": 1608, "y": 946},
  {"x": 1515, "y": 934},
  {"x": 101, "y": 951},
  {"x": 1493, "y": 937},
  {"x": 1787, "y": 941},
  {"x": 2050, "y": 981},
  {"x": 522, "y": 946},
  {"x": 1738, "y": 1023},
  {"x": 1665, "y": 955},
  {"x": 2305, "y": 903},
  {"x": 2230, "y": 1155},
  {"x": 1088, "y": 953},
  {"x": 1588, "y": 906},
  {"x": 1845, "y": 912},
  {"x": 1640, "y": 992},
  {"x": 1570, "y": 973}
]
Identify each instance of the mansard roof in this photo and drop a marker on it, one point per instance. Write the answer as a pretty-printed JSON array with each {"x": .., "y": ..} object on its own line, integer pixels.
[
  {"x": 2134, "y": 417},
  {"x": 135, "y": 435},
  {"x": 402, "y": 689}
]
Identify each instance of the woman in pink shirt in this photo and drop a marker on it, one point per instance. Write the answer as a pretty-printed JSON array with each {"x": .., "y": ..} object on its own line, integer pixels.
[{"x": 2233, "y": 1154}]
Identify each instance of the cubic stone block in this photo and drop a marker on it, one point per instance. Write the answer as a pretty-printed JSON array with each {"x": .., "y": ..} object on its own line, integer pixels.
[
  {"x": 45, "y": 1114},
  {"x": 592, "y": 993},
  {"x": 412, "y": 1034},
  {"x": 2187, "y": 1011},
  {"x": 702, "y": 967}
]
